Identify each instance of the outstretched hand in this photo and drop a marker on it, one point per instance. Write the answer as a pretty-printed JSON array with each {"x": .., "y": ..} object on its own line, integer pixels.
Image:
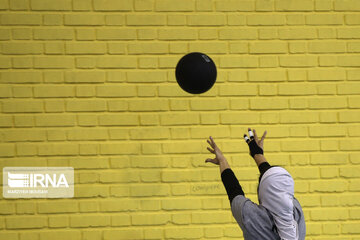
[
  {"x": 256, "y": 146},
  {"x": 219, "y": 156}
]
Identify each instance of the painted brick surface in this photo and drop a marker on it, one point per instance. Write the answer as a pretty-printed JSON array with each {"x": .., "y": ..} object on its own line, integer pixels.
[{"x": 91, "y": 84}]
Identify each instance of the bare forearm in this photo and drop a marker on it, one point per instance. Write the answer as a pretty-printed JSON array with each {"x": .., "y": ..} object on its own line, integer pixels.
[
  {"x": 223, "y": 165},
  {"x": 259, "y": 159}
]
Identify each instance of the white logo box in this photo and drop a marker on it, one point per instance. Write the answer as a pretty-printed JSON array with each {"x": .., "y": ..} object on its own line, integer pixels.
[{"x": 38, "y": 182}]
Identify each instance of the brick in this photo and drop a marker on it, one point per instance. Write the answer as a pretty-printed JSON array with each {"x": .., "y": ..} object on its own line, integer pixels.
[
  {"x": 89, "y": 221},
  {"x": 56, "y": 91},
  {"x": 115, "y": 91},
  {"x": 329, "y": 172},
  {"x": 209, "y": 48},
  {"x": 323, "y": 5},
  {"x": 62, "y": 149},
  {"x": 85, "y": 105},
  {"x": 169, "y": 6},
  {"x": 327, "y": 89},
  {"x": 266, "y": 20},
  {"x": 348, "y": 88},
  {"x": 55, "y": 62},
  {"x": 326, "y": 74},
  {"x": 300, "y": 145},
  {"x": 297, "y": 33},
  {"x": 352, "y": 19},
  {"x": 21, "y": 19},
  {"x": 329, "y": 214},
  {"x": 206, "y": 20},
  {"x": 114, "y": 148},
  {"x": 324, "y": 19},
  {"x": 354, "y": 102},
  {"x": 7, "y": 208},
  {"x": 113, "y": 5},
  {"x": 237, "y": 90},
  {"x": 268, "y": 103},
  {"x": 18, "y": 106},
  {"x": 53, "y": 34},
  {"x": 115, "y": 34},
  {"x": 349, "y": 5},
  {"x": 148, "y": 48},
  {"x": 119, "y": 120},
  {"x": 91, "y": 191},
  {"x": 298, "y": 61},
  {"x": 58, "y": 221},
  {"x": 131, "y": 234},
  {"x": 179, "y": 119},
  {"x": 269, "y": 33},
  {"x": 349, "y": 116},
  {"x": 264, "y": 5},
  {"x": 122, "y": 177},
  {"x": 349, "y": 144},
  {"x": 181, "y": 204},
  {"x": 7, "y": 150},
  {"x": 19, "y": 135},
  {"x": 210, "y": 217},
  {"x": 297, "y": 47},
  {"x": 199, "y": 104},
  {"x": 239, "y": 62},
  {"x": 237, "y": 118},
  {"x": 298, "y": 117},
  {"x": 177, "y": 34},
  {"x": 85, "y": 48},
  {"x": 179, "y": 176},
  {"x": 25, "y": 222},
  {"x": 181, "y": 218},
  {"x": 350, "y": 228},
  {"x": 151, "y": 190},
  {"x": 51, "y": 5},
  {"x": 268, "y": 47},
  {"x": 236, "y": 20},
  {"x": 298, "y": 103},
  {"x": 286, "y": 5},
  {"x": 327, "y": 33},
  {"x": 116, "y": 62},
  {"x": 22, "y": 48},
  {"x": 84, "y": 20},
  {"x": 327, "y": 47},
  {"x": 25, "y": 207},
  {"x": 328, "y": 103},
  {"x": 328, "y": 186},
  {"x": 66, "y": 234},
  {"x": 231, "y": 6},
  {"x": 120, "y": 220},
  {"x": 350, "y": 172},
  {"x": 327, "y": 131},
  {"x": 328, "y": 159},
  {"x": 354, "y": 47},
  {"x": 89, "y": 163},
  {"x": 145, "y": 20},
  {"x": 237, "y": 34},
  {"x": 288, "y": 89},
  {"x": 87, "y": 134},
  {"x": 149, "y": 162},
  {"x": 295, "y": 19},
  {"x": 348, "y": 33},
  {"x": 150, "y": 219},
  {"x": 115, "y": 20}
]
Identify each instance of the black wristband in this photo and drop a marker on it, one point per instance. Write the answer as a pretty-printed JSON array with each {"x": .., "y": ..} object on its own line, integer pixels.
[{"x": 255, "y": 149}]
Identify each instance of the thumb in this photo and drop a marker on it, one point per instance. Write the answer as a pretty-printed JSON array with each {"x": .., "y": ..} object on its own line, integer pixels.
[{"x": 209, "y": 160}]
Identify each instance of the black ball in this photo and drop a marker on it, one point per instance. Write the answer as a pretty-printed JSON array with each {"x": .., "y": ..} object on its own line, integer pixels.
[{"x": 196, "y": 73}]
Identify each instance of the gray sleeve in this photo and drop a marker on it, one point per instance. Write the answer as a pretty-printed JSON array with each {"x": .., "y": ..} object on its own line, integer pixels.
[{"x": 236, "y": 209}]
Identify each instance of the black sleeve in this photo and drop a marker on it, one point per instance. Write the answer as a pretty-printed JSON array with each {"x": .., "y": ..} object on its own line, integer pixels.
[
  {"x": 263, "y": 167},
  {"x": 231, "y": 184}
]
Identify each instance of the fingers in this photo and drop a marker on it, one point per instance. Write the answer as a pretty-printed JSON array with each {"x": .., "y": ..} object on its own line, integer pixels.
[
  {"x": 256, "y": 137},
  {"x": 210, "y": 160},
  {"x": 247, "y": 140},
  {"x": 212, "y": 151},
  {"x": 251, "y": 134},
  {"x": 264, "y": 135}
]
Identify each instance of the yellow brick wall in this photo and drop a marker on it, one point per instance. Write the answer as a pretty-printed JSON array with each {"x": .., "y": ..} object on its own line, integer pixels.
[{"x": 90, "y": 84}]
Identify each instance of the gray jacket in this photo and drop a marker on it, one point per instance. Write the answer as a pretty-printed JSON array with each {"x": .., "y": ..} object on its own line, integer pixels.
[{"x": 257, "y": 223}]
